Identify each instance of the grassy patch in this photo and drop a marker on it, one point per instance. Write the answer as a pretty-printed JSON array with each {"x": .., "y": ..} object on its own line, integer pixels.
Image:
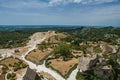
[
  {"x": 15, "y": 63},
  {"x": 36, "y": 56},
  {"x": 64, "y": 68},
  {"x": 9, "y": 61},
  {"x": 97, "y": 49},
  {"x": 79, "y": 76}
]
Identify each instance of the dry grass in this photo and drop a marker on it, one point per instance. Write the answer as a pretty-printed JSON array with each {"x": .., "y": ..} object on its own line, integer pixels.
[
  {"x": 61, "y": 35},
  {"x": 2, "y": 77},
  {"x": 21, "y": 51},
  {"x": 55, "y": 38},
  {"x": 47, "y": 75},
  {"x": 36, "y": 56},
  {"x": 21, "y": 71},
  {"x": 9, "y": 60},
  {"x": 63, "y": 66},
  {"x": 107, "y": 49}
]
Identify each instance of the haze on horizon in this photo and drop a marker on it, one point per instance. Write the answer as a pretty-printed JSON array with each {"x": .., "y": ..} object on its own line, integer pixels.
[{"x": 60, "y": 12}]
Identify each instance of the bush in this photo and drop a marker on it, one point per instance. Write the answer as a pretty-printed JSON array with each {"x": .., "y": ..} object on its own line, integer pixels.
[
  {"x": 79, "y": 76},
  {"x": 62, "y": 50},
  {"x": 24, "y": 65},
  {"x": 97, "y": 49},
  {"x": 11, "y": 76},
  {"x": 15, "y": 68},
  {"x": 41, "y": 76},
  {"x": 4, "y": 69},
  {"x": 8, "y": 76}
]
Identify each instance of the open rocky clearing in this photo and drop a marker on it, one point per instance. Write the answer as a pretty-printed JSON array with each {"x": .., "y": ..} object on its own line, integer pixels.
[{"x": 19, "y": 51}]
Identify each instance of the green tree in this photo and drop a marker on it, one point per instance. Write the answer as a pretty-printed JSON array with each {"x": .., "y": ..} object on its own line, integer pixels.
[
  {"x": 63, "y": 50},
  {"x": 8, "y": 76}
]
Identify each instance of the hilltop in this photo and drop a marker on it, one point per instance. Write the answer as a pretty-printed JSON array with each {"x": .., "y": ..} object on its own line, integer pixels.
[{"x": 60, "y": 53}]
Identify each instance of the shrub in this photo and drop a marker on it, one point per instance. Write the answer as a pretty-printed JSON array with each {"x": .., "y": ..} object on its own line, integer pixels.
[
  {"x": 8, "y": 76},
  {"x": 4, "y": 69},
  {"x": 62, "y": 50},
  {"x": 24, "y": 65},
  {"x": 11, "y": 76}
]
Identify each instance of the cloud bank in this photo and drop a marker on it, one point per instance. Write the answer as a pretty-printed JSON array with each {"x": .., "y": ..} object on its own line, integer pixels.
[
  {"x": 73, "y": 12},
  {"x": 47, "y": 3},
  {"x": 58, "y": 2}
]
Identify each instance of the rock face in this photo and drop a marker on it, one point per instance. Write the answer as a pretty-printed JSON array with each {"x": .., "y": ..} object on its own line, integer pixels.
[
  {"x": 83, "y": 63},
  {"x": 110, "y": 35},
  {"x": 36, "y": 37},
  {"x": 96, "y": 66},
  {"x": 118, "y": 50},
  {"x": 101, "y": 66},
  {"x": 104, "y": 74},
  {"x": 31, "y": 75}
]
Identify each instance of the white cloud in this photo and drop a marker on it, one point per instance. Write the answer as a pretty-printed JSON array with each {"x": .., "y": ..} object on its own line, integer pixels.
[
  {"x": 58, "y": 2},
  {"x": 23, "y": 4},
  {"x": 43, "y": 4},
  {"x": 101, "y": 1},
  {"x": 77, "y": 1}
]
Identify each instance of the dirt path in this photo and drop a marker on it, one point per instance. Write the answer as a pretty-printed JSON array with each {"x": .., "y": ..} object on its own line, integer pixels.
[
  {"x": 39, "y": 67},
  {"x": 37, "y": 38},
  {"x": 73, "y": 75}
]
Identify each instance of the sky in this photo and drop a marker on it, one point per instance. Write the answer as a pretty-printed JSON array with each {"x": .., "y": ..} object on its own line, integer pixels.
[{"x": 60, "y": 12}]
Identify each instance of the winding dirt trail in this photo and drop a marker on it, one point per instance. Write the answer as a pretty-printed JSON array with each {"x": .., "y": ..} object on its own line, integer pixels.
[
  {"x": 37, "y": 38},
  {"x": 32, "y": 45}
]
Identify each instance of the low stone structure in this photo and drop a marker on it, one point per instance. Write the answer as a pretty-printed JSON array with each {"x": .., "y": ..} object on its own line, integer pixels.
[
  {"x": 77, "y": 53},
  {"x": 31, "y": 75}
]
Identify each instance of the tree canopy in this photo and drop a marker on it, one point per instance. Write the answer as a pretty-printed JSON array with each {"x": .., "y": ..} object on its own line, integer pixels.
[{"x": 63, "y": 50}]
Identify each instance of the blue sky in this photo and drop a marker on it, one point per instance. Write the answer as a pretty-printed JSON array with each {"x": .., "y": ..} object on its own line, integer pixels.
[{"x": 60, "y": 12}]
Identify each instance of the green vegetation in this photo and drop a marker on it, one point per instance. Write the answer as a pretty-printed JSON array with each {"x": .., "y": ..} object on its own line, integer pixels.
[
  {"x": 17, "y": 38},
  {"x": 97, "y": 49},
  {"x": 62, "y": 50},
  {"x": 11, "y": 76},
  {"x": 11, "y": 39},
  {"x": 115, "y": 69},
  {"x": 107, "y": 34},
  {"x": 43, "y": 46},
  {"x": 41, "y": 76},
  {"x": 19, "y": 65},
  {"x": 47, "y": 63},
  {"x": 4, "y": 69},
  {"x": 80, "y": 76}
]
